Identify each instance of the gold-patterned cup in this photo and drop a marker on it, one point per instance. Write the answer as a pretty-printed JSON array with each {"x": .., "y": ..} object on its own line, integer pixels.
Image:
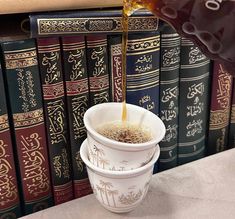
[
  {"x": 113, "y": 155},
  {"x": 119, "y": 191}
]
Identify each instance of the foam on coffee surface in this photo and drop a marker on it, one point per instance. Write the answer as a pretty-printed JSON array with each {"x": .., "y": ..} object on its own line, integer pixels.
[{"x": 125, "y": 132}]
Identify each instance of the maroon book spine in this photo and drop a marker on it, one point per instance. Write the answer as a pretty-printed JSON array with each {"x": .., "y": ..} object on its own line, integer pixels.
[
  {"x": 77, "y": 95},
  {"x": 221, "y": 94},
  {"x": 9, "y": 194},
  {"x": 52, "y": 79}
]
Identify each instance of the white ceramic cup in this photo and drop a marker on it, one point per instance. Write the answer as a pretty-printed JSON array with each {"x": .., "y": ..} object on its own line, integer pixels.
[
  {"x": 113, "y": 155},
  {"x": 119, "y": 191}
]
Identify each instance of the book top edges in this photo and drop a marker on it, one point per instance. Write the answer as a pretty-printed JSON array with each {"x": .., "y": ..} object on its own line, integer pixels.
[{"x": 89, "y": 22}]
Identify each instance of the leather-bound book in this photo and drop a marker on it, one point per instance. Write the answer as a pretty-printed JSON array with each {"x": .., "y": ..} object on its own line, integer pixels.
[
  {"x": 52, "y": 79},
  {"x": 25, "y": 100},
  {"x": 77, "y": 95}
]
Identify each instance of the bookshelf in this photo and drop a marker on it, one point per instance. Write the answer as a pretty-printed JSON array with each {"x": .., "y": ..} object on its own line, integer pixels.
[{"x": 11, "y": 29}]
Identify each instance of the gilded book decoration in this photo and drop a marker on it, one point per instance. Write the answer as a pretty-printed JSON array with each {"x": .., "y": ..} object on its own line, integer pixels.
[
  {"x": 143, "y": 63},
  {"x": 89, "y": 22},
  {"x": 97, "y": 58},
  {"x": 25, "y": 98},
  {"x": 221, "y": 95},
  {"x": 56, "y": 117},
  {"x": 194, "y": 102},
  {"x": 169, "y": 95},
  {"x": 115, "y": 63},
  {"x": 9, "y": 195},
  {"x": 77, "y": 93}
]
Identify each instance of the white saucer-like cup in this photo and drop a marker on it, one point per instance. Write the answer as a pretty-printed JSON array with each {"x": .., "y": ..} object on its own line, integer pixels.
[
  {"x": 113, "y": 155},
  {"x": 119, "y": 191}
]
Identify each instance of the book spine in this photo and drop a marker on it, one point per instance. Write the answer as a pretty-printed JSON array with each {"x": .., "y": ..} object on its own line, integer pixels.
[
  {"x": 97, "y": 66},
  {"x": 49, "y": 56},
  {"x": 142, "y": 76},
  {"x": 89, "y": 22},
  {"x": 169, "y": 96},
  {"x": 77, "y": 93},
  {"x": 193, "y": 102},
  {"x": 221, "y": 94},
  {"x": 9, "y": 194},
  {"x": 232, "y": 120},
  {"x": 24, "y": 90},
  {"x": 115, "y": 67}
]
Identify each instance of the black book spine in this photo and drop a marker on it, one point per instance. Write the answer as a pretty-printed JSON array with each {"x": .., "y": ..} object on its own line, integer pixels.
[
  {"x": 69, "y": 23},
  {"x": 77, "y": 93},
  {"x": 97, "y": 66},
  {"x": 49, "y": 55},
  {"x": 169, "y": 95},
  {"x": 193, "y": 102},
  {"x": 115, "y": 67}
]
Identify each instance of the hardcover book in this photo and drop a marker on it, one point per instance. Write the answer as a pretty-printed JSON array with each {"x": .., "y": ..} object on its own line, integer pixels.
[
  {"x": 142, "y": 76},
  {"x": 193, "y": 102},
  {"x": 89, "y": 22},
  {"x": 232, "y": 120},
  {"x": 25, "y": 98},
  {"x": 98, "y": 72},
  {"x": 49, "y": 56},
  {"x": 169, "y": 95},
  {"x": 9, "y": 194},
  {"x": 77, "y": 93},
  {"x": 220, "y": 106},
  {"x": 115, "y": 67}
]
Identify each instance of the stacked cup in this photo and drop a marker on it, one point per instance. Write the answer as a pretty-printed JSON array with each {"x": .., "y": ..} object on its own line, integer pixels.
[{"x": 120, "y": 173}]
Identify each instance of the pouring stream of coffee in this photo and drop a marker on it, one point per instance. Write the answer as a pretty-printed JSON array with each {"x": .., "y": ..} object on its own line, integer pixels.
[{"x": 210, "y": 24}]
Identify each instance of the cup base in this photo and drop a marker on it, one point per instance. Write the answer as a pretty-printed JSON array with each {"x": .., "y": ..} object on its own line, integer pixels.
[{"x": 121, "y": 210}]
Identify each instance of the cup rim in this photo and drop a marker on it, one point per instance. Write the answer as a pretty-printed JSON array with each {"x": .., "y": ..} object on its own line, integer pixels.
[
  {"x": 84, "y": 156},
  {"x": 123, "y": 145}
]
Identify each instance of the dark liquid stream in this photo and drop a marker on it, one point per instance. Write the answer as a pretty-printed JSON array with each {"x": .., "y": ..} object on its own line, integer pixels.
[{"x": 209, "y": 23}]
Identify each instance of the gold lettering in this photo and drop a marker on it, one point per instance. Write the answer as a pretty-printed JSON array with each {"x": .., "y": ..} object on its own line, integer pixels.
[
  {"x": 51, "y": 61},
  {"x": 56, "y": 119},
  {"x": 8, "y": 190},
  {"x": 79, "y": 106},
  {"x": 35, "y": 173},
  {"x": 98, "y": 56},
  {"x": 76, "y": 59}
]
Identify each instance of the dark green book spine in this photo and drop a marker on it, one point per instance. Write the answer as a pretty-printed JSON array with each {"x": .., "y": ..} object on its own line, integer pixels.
[
  {"x": 9, "y": 194},
  {"x": 25, "y": 98},
  {"x": 220, "y": 107},
  {"x": 142, "y": 76},
  {"x": 77, "y": 93},
  {"x": 232, "y": 120},
  {"x": 97, "y": 67},
  {"x": 193, "y": 102},
  {"x": 49, "y": 56},
  {"x": 169, "y": 95},
  {"x": 115, "y": 67}
]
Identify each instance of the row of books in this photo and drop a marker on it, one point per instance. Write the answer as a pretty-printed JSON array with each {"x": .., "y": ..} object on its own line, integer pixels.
[{"x": 49, "y": 81}]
